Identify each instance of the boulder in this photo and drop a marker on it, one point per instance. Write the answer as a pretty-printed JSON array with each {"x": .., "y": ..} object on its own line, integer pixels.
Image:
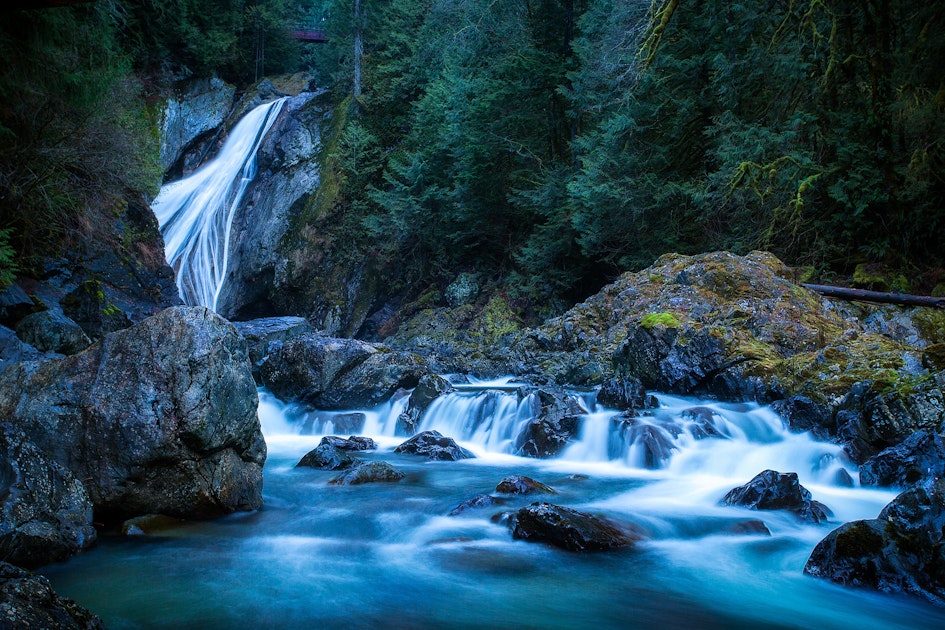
[
  {"x": 520, "y": 484},
  {"x": 917, "y": 459},
  {"x": 555, "y": 425},
  {"x": 328, "y": 457},
  {"x": 352, "y": 443},
  {"x": 433, "y": 445},
  {"x": 700, "y": 423},
  {"x": 28, "y": 601},
  {"x": 652, "y": 445},
  {"x": 330, "y": 373},
  {"x": 92, "y": 306},
  {"x": 45, "y": 513},
  {"x": 160, "y": 417},
  {"x": 15, "y": 304},
  {"x": 771, "y": 490},
  {"x": 49, "y": 331},
  {"x": 475, "y": 503},
  {"x": 12, "y": 350},
  {"x": 624, "y": 393},
  {"x": 568, "y": 529},
  {"x": 368, "y": 472},
  {"x": 903, "y": 550},
  {"x": 266, "y": 333},
  {"x": 428, "y": 389}
]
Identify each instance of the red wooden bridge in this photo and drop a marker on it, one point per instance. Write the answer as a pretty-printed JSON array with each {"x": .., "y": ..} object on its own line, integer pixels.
[{"x": 309, "y": 36}]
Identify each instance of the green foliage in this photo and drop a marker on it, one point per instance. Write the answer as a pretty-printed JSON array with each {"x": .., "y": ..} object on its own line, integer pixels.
[
  {"x": 666, "y": 320},
  {"x": 8, "y": 265}
]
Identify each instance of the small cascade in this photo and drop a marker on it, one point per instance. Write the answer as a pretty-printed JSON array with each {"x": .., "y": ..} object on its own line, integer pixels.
[{"x": 196, "y": 213}]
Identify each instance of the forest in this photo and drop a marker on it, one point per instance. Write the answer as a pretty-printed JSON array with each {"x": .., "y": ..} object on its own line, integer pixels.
[{"x": 548, "y": 144}]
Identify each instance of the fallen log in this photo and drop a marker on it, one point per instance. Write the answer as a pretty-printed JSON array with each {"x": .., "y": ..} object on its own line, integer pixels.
[{"x": 862, "y": 295}]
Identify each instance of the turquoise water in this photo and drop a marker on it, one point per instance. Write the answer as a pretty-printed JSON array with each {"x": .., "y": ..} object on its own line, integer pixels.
[{"x": 386, "y": 555}]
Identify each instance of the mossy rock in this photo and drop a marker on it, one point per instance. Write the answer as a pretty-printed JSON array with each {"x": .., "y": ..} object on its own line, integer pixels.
[
  {"x": 664, "y": 319},
  {"x": 877, "y": 277}
]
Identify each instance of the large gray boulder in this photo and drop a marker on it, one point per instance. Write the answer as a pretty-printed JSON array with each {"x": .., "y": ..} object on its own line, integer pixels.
[
  {"x": 157, "y": 418},
  {"x": 333, "y": 373},
  {"x": 45, "y": 513},
  {"x": 28, "y": 602},
  {"x": 51, "y": 331}
]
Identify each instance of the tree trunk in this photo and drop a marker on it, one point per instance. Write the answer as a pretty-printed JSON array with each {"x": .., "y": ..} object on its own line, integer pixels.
[{"x": 861, "y": 295}]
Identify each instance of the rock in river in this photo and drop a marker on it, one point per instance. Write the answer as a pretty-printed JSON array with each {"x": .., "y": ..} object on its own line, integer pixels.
[
  {"x": 567, "y": 528},
  {"x": 45, "y": 513},
  {"x": 903, "y": 550},
  {"x": 157, "y": 418},
  {"x": 27, "y": 601},
  {"x": 771, "y": 490},
  {"x": 434, "y": 445}
]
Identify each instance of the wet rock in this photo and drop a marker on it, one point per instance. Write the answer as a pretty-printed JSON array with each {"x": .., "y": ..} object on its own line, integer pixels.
[
  {"x": 28, "y": 601},
  {"x": 520, "y": 484},
  {"x": 348, "y": 422},
  {"x": 625, "y": 393},
  {"x": 428, "y": 389},
  {"x": 568, "y": 529},
  {"x": 330, "y": 373},
  {"x": 771, "y": 490},
  {"x": 433, "y": 445},
  {"x": 160, "y": 417},
  {"x": 352, "y": 443},
  {"x": 266, "y": 333},
  {"x": 45, "y": 513},
  {"x": 749, "y": 527},
  {"x": 804, "y": 414},
  {"x": 700, "y": 422},
  {"x": 918, "y": 458},
  {"x": 903, "y": 550},
  {"x": 149, "y": 525},
  {"x": 555, "y": 425},
  {"x": 368, "y": 472},
  {"x": 667, "y": 363},
  {"x": 198, "y": 107},
  {"x": 49, "y": 331},
  {"x": 476, "y": 503},
  {"x": 326, "y": 456},
  {"x": 655, "y": 444}
]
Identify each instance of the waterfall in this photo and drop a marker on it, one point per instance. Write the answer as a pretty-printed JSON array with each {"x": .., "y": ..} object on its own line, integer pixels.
[{"x": 196, "y": 213}]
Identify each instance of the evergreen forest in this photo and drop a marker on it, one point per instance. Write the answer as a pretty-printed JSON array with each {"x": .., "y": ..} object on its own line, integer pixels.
[{"x": 548, "y": 144}]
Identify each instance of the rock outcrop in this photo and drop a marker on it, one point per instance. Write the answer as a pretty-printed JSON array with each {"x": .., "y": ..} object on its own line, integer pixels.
[
  {"x": 50, "y": 331},
  {"x": 28, "y": 601},
  {"x": 45, "y": 513},
  {"x": 917, "y": 459},
  {"x": 332, "y": 373},
  {"x": 902, "y": 550},
  {"x": 160, "y": 417}
]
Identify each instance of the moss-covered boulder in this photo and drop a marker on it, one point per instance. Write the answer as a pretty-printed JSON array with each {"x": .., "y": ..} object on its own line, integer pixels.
[{"x": 903, "y": 550}]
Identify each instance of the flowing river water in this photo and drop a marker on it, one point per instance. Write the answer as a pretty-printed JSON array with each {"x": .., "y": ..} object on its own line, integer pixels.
[{"x": 388, "y": 555}]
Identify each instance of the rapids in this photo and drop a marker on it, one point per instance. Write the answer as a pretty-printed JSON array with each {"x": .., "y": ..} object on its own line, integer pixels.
[{"x": 387, "y": 555}]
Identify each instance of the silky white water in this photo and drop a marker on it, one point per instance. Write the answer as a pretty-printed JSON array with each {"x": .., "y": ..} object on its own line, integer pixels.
[
  {"x": 196, "y": 213},
  {"x": 388, "y": 555}
]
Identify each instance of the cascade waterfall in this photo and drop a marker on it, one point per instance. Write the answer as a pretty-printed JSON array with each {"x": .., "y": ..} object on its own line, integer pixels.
[{"x": 196, "y": 213}]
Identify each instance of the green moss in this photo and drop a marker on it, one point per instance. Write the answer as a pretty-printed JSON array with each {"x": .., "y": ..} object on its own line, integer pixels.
[
  {"x": 879, "y": 278},
  {"x": 664, "y": 319}
]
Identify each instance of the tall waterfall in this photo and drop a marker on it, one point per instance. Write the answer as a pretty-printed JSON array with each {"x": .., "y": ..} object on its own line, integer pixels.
[{"x": 196, "y": 213}]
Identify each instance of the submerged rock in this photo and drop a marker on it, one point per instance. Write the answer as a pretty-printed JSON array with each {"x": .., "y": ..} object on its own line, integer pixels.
[
  {"x": 368, "y": 472},
  {"x": 149, "y": 525},
  {"x": 475, "y": 503},
  {"x": 654, "y": 444},
  {"x": 352, "y": 443},
  {"x": 520, "y": 484},
  {"x": 903, "y": 550},
  {"x": 28, "y": 601},
  {"x": 160, "y": 417},
  {"x": 771, "y": 490},
  {"x": 326, "y": 456},
  {"x": 917, "y": 459},
  {"x": 568, "y": 529},
  {"x": 433, "y": 445},
  {"x": 45, "y": 513}
]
